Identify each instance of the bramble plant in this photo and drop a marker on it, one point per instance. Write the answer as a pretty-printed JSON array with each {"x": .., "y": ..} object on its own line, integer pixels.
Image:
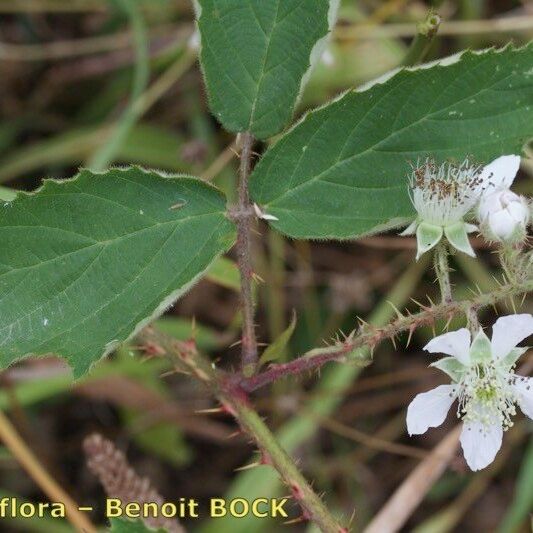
[{"x": 89, "y": 263}]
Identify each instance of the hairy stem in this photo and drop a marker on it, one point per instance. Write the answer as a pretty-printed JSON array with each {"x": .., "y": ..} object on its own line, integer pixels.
[
  {"x": 234, "y": 401},
  {"x": 425, "y": 33},
  {"x": 442, "y": 270},
  {"x": 312, "y": 506},
  {"x": 244, "y": 218},
  {"x": 370, "y": 336},
  {"x": 472, "y": 321}
]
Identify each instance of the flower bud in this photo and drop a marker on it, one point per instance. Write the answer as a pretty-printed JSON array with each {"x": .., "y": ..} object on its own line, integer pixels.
[{"x": 504, "y": 216}]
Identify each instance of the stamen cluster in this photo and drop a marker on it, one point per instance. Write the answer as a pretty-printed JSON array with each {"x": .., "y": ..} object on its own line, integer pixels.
[
  {"x": 486, "y": 395},
  {"x": 443, "y": 194}
]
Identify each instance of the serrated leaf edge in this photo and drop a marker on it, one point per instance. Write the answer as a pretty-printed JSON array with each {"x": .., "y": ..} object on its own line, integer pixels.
[
  {"x": 381, "y": 80},
  {"x": 47, "y": 182}
]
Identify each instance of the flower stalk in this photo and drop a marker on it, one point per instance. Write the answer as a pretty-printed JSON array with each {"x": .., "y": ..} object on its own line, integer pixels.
[
  {"x": 425, "y": 34},
  {"x": 442, "y": 270},
  {"x": 472, "y": 321}
]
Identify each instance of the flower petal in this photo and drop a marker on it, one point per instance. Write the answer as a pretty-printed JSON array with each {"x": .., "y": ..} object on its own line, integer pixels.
[
  {"x": 480, "y": 443},
  {"x": 501, "y": 173},
  {"x": 429, "y": 409},
  {"x": 508, "y": 331},
  {"x": 456, "y": 343},
  {"x": 502, "y": 225},
  {"x": 524, "y": 390},
  {"x": 458, "y": 237},
  {"x": 427, "y": 236},
  {"x": 489, "y": 203}
]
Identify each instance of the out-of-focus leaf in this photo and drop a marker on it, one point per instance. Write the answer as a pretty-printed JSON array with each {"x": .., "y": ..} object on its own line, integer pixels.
[
  {"x": 224, "y": 272},
  {"x": 145, "y": 145},
  {"x": 183, "y": 329},
  {"x": 519, "y": 512},
  {"x": 123, "y": 525},
  {"x": 277, "y": 348},
  {"x": 106, "y": 153},
  {"x": 162, "y": 439},
  {"x": 344, "y": 65}
]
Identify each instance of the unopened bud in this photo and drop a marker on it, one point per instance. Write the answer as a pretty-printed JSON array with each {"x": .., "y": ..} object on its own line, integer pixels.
[{"x": 504, "y": 216}]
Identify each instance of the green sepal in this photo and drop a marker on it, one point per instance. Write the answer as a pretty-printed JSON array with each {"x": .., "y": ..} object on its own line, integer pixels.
[
  {"x": 427, "y": 237},
  {"x": 410, "y": 230},
  {"x": 512, "y": 357},
  {"x": 457, "y": 236},
  {"x": 451, "y": 366},
  {"x": 480, "y": 350}
]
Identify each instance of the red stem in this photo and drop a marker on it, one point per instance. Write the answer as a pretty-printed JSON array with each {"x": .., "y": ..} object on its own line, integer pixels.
[
  {"x": 371, "y": 336},
  {"x": 244, "y": 217}
]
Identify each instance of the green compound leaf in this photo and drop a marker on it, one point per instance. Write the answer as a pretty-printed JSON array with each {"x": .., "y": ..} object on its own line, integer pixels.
[
  {"x": 87, "y": 262},
  {"x": 342, "y": 171},
  {"x": 256, "y": 56}
]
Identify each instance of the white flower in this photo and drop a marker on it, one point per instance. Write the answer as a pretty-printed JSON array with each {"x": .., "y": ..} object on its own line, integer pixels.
[
  {"x": 503, "y": 215},
  {"x": 483, "y": 382},
  {"x": 443, "y": 195}
]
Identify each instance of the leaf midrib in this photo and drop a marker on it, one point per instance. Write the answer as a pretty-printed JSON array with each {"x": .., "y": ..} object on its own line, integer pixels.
[
  {"x": 105, "y": 243},
  {"x": 263, "y": 64}
]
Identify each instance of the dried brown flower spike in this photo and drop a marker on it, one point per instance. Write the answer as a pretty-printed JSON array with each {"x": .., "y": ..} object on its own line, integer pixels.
[{"x": 121, "y": 481}]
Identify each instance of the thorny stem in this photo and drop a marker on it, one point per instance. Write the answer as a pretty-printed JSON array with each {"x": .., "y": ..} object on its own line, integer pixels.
[
  {"x": 368, "y": 335},
  {"x": 472, "y": 321},
  {"x": 234, "y": 401},
  {"x": 442, "y": 270},
  {"x": 243, "y": 218},
  {"x": 313, "y": 507},
  {"x": 232, "y": 390}
]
